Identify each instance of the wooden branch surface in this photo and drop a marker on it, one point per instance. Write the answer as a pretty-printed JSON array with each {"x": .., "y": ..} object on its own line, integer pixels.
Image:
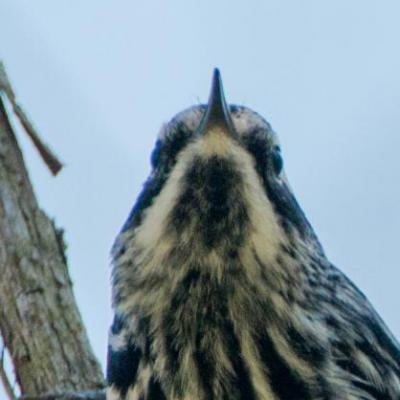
[
  {"x": 90, "y": 395},
  {"x": 39, "y": 319}
]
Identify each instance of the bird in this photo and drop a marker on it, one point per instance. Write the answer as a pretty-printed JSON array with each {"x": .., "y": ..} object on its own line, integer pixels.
[{"x": 221, "y": 289}]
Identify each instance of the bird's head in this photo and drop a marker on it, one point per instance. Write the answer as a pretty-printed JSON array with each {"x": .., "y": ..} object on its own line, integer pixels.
[{"x": 218, "y": 180}]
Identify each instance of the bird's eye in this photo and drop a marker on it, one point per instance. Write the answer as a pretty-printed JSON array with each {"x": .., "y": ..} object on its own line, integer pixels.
[{"x": 277, "y": 160}]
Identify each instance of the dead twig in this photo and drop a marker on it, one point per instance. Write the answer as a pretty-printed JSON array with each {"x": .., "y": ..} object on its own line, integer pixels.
[{"x": 47, "y": 155}]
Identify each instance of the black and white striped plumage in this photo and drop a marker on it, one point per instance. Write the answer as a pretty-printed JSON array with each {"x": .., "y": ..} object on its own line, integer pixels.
[{"x": 221, "y": 290}]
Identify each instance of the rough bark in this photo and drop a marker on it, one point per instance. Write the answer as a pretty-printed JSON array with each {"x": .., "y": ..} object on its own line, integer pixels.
[
  {"x": 91, "y": 395},
  {"x": 39, "y": 319}
]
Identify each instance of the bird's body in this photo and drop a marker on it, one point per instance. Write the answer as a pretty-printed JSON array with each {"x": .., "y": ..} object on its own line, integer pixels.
[{"x": 221, "y": 290}]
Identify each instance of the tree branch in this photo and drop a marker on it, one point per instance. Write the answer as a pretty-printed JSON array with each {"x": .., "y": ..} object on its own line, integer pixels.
[
  {"x": 90, "y": 395},
  {"x": 39, "y": 320},
  {"x": 47, "y": 155}
]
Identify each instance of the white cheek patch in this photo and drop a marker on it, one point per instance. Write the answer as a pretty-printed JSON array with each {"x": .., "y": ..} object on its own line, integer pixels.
[{"x": 150, "y": 232}]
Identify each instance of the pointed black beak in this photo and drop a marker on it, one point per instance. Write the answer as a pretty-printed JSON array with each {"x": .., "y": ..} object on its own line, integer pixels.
[{"x": 217, "y": 113}]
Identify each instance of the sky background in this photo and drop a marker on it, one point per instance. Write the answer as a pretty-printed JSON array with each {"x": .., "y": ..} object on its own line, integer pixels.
[{"x": 98, "y": 78}]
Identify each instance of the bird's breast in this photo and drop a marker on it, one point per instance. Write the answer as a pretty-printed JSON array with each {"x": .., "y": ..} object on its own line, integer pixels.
[
  {"x": 206, "y": 276},
  {"x": 216, "y": 324}
]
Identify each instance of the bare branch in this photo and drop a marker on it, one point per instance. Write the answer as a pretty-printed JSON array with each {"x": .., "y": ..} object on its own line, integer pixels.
[
  {"x": 39, "y": 320},
  {"x": 90, "y": 395},
  {"x": 47, "y": 155}
]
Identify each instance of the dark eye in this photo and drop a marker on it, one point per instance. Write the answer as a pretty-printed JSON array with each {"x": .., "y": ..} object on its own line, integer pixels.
[{"x": 277, "y": 160}]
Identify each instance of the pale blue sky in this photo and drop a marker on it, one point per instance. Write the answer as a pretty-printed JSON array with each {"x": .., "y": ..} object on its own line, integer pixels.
[{"x": 99, "y": 78}]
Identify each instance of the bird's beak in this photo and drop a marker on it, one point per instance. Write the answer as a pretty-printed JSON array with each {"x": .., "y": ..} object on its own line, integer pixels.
[{"x": 217, "y": 114}]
